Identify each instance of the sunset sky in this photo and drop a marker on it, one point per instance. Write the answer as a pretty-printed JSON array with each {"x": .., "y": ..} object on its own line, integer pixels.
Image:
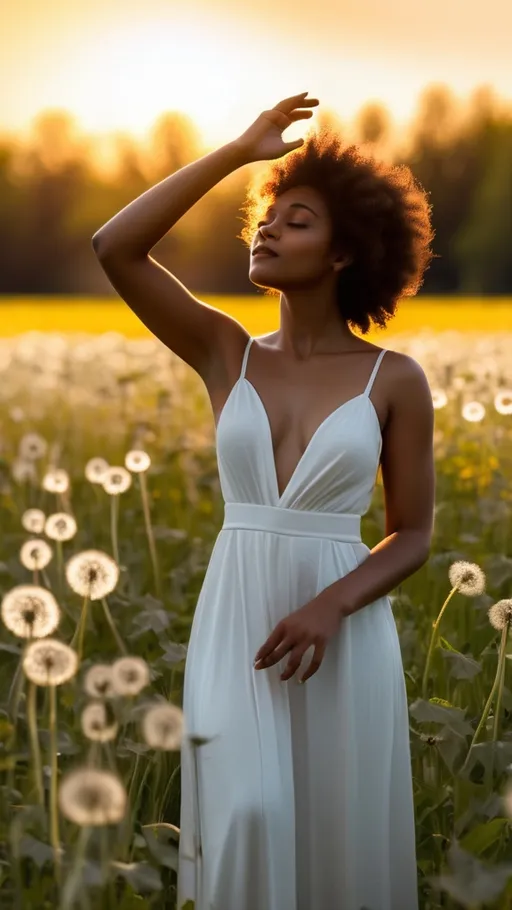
[{"x": 120, "y": 64}]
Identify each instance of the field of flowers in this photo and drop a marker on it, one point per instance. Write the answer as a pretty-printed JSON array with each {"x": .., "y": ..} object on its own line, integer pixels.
[{"x": 109, "y": 507}]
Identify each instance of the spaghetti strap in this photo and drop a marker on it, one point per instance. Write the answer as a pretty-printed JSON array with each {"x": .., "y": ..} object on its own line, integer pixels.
[
  {"x": 374, "y": 372},
  {"x": 246, "y": 354}
]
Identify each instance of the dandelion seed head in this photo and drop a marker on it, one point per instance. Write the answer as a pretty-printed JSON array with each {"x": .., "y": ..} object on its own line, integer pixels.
[
  {"x": 30, "y": 611},
  {"x": 49, "y": 662},
  {"x": 473, "y": 411},
  {"x": 98, "y": 681},
  {"x": 60, "y": 526},
  {"x": 33, "y": 520},
  {"x": 500, "y": 613},
  {"x": 35, "y": 554},
  {"x": 96, "y": 724},
  {"x": 137, "y": 461},
  {"x": 503, "y": 401},
  {"x": 116, "y": 480},
  {"x": 89, "y": 796},
  {"x": 23, "y": 470},
  {"x": 162, "y": 727},
  {"x": 467, "y": 577},
  {"x": 130, "y": 675},
  {"x": 32, "y": 446},
  {"x": 92, "y": 574},
  {"x": 96, "y": 469},
  {"x": 56, "y": 480},
  {"x": 439, "y": 398}
]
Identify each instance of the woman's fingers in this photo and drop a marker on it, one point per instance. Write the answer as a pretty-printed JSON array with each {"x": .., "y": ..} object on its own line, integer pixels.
[
  {"x": 294, "y": 662},
  {"x": 288, "y": 104}
]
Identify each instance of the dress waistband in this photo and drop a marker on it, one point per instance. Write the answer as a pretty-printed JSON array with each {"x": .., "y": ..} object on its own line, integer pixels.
[{"x": 296, "y": 522}]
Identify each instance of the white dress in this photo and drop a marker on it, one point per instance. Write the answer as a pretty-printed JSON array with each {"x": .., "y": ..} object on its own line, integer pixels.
[{"x": 303, "y": 797}]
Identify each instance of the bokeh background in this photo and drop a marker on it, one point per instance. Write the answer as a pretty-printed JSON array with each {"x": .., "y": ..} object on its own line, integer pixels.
[{"x": 102, "y": 100}]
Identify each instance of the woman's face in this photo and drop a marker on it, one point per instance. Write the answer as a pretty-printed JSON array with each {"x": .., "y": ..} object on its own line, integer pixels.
[{"x": 297, "y": 226}]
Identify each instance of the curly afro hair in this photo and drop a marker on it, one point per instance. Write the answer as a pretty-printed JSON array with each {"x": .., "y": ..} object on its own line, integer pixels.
[{"x": 380, "y": 215}]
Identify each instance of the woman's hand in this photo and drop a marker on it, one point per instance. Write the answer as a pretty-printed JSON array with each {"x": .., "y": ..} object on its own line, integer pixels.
[
  {"x": 312, "y": 625},
  {"x": 262, "y": 140}
]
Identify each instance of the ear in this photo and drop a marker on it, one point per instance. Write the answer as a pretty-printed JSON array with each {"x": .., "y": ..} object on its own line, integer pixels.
[{"x": 342, "y": 261}]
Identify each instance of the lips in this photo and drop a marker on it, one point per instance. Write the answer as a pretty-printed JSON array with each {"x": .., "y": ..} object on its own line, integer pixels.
[{"x": 262, "y": 251}]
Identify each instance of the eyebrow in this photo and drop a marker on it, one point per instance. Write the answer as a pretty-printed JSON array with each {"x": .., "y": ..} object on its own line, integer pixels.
[{"x": 295, "y": 205}]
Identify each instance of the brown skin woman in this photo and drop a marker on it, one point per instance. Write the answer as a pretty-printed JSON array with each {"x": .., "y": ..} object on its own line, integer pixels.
[{"x": 341, "y": 239}]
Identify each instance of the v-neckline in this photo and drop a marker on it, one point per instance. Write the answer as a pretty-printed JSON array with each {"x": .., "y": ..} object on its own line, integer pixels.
[{"x": 281, "y": 496}]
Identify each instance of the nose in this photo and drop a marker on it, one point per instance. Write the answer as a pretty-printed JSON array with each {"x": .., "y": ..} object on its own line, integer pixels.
[{"x": 266, "y": 230}]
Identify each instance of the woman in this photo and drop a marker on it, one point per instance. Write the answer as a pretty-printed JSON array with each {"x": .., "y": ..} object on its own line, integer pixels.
[{"x": 301, "y": 797}]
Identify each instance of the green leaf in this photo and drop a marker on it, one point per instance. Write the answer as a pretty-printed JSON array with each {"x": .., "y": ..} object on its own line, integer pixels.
[
  {"x": 438, "y": 711},
  {"x": 159, "y": 840},
  {"x": 446, "y": 644},
  {"x": 497, "y": 754},
  {"x": 38, "y": 851},
  {"x": 484, "y": 835},
  {"x": 462, "y": 666}
]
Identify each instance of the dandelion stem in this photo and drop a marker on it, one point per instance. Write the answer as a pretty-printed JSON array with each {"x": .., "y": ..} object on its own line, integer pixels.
[
  {"x": 149, "y": 532},
  {"x": 60, "y": 569},
  {"x": 501, "y": 679},
  {"x": 15, "y": 691},
  {"x": 491, "y": 695},
  {"x": 74, "y": 879},
  {"x": 433, "y": 640},
  {"x": 114, "y": 512},
  {"x": 108, "y": 616},
  {"x": 54, "y": 817},
  {"x": 34, "y": 741},
  {"x": 80, "y": 629}
]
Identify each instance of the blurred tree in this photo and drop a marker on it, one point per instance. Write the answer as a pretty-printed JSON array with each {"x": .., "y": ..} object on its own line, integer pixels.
[
  {"x": 482, "y": 245},
  {"x": 373, "y": 124},
  {"x": 53, "y": 198},
  {"x": 448, "y": 160}
]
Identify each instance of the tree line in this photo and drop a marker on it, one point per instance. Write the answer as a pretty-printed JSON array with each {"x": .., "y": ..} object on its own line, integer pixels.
[{"x": 55, "y": 193}]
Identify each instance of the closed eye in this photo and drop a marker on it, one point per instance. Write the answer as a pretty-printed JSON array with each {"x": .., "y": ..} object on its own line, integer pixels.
[{"x": 290, "y": 224}]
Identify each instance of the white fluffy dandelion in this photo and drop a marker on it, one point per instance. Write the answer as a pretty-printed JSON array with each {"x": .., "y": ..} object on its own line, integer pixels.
[
  {"x": 22, "y": 470},
  {"x": 116, "y": 480},
  {"x": 33, "y": 520},
  {"x": 56, "y": 480},
  {"x": 467, "y": 577},
  {"x": 473, "y": 411},
  {"x": 95, "y": 469},
  {"x": 500, "y": 613},
  {"x": 60, "y": 526},
  {"x": 130, "y": 675},
  {"x": 439, "y": 398},
  {"x": 88, "y": 796},
  {"x": 96, "y": 723},
  {"x": 35, "y": 554},
  {"x": 162, "y": 727},
  {"x": 49, "y": 662},
  {"x": 32, "y": 446},
  {"x": 137, "y": 461},
  {"x": 503, "y": 401},
  {"x": 98, "y": 681},
  {"x": 92, "y": 574},
  {"x": 30, "y": 611}
]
